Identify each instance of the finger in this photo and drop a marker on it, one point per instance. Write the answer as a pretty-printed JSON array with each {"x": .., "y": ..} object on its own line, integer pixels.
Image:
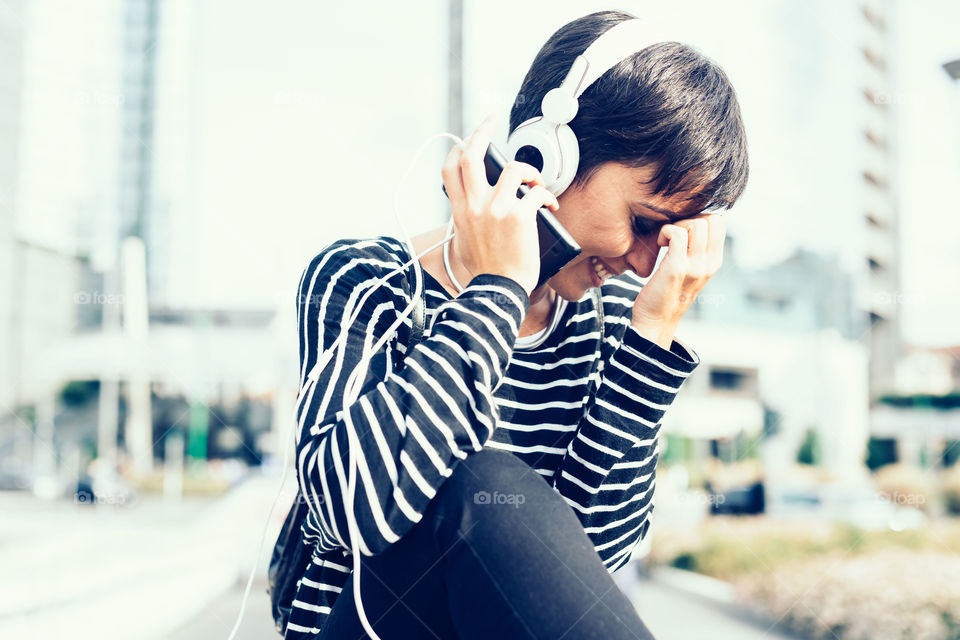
[
  {"x": 718, "y": 235},
  {"x": 675, "y": 238},
  {"x": 471, "y": 162},
  {"x": 452, "y": 180},
  {"x": 513, "y": 175},
  {"x": 537, "y": 197},
  {"x": 697, "y": 236}
]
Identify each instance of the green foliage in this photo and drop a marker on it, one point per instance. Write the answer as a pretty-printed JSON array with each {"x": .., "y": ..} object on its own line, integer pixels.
[
  {"x": 748, "y": 446},
  {"x": 78, "y": 392},
  {"x": 951, "y": 490},
  {"x": 728, "y": 548},
  {"x": 676, "y": 451},
  {"x": 809, "y": 451},
  {"x": 951, "y": 453},
  {"x": 923, "y": 400},
  {"x": 880, "y": 452}
]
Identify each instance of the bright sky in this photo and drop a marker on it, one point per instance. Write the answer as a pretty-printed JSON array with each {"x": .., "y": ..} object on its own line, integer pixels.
[
  {"x": 930, "y": 172},
  {"x": 284, "y": 129}
]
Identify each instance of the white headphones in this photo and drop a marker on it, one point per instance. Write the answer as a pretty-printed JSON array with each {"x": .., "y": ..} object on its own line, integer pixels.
[{"x": 549, "y": 133}]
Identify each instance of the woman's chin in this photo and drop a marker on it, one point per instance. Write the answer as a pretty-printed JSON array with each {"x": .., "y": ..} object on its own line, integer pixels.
[{"x": 571, "y": 292}]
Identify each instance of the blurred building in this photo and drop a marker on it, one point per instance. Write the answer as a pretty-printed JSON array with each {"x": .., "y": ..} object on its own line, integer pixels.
[
  {"x": 11, "y": 58},
  {"x": 920, "y": 423},
  {"x": 51, "y": 114},
  {"x": 78, "y": 302},
  {"x": 881, "y": 298},
  {"x": 780, "y": 356}
]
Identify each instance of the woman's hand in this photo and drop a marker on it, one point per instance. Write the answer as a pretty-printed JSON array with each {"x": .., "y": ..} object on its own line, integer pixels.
[
  {"x": 694, "y": 254},
  {"x": 496, "y": 232}
]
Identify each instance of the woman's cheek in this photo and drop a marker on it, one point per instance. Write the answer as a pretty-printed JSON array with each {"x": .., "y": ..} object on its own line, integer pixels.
[{"x": 648, "y": 250}]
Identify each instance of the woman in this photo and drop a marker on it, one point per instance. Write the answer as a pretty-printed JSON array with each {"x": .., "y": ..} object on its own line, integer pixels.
[{"x": 507, "y": 468}]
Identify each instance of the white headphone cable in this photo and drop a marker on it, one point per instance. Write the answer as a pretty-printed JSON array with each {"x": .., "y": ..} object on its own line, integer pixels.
[{"x": 351, "y": 389}]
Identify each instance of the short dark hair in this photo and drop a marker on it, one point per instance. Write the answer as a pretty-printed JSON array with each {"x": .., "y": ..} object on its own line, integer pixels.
[{"x": 667, "y": 105}]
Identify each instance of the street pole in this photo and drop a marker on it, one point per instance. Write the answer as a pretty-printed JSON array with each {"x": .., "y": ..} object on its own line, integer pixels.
[{"x": 139, "y": 426}]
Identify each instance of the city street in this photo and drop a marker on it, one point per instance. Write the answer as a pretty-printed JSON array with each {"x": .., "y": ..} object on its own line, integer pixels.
[
  {"x": 133, "y": 572},
  {"x": 669, "y": 613},
  {"x": 176, "y": 571}
]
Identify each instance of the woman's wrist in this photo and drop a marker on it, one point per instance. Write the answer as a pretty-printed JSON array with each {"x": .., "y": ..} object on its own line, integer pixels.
[{"x": 657, "y": 332}]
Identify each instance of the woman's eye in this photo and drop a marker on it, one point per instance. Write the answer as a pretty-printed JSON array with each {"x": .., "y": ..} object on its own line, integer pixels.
[{"x": 641, "y": 226}]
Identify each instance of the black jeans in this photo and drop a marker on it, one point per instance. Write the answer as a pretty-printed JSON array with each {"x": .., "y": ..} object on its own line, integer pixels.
[{"x": 498, "y": 555}]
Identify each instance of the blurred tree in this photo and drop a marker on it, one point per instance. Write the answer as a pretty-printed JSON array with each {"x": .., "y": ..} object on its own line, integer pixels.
[
  {"x": 78, "y": 392},
  {"x": 951, "y": 453},
  {"x": 880, "y": 451},
  {"x": 809, "y": 451}
]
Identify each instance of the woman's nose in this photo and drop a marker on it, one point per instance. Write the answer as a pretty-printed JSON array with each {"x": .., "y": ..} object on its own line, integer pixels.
[{"x": 642, "y": 255}]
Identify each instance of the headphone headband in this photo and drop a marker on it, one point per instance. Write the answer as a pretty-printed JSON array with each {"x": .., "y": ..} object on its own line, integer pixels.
[
  {"x": 549, "y": 132},
  {"x": 608, "y": 50}
]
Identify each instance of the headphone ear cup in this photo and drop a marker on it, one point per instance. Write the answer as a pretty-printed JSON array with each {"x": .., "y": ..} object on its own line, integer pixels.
[
  {"x": 556, "y": 145},
  {"x": 530, "y": 143}
]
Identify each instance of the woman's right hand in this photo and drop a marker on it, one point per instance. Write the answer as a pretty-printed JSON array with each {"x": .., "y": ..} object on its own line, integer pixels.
[{"x": 496, "y": 232}]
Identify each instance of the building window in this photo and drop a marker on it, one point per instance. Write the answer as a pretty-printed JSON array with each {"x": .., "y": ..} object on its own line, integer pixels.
[{"x": 726, "y": 379}]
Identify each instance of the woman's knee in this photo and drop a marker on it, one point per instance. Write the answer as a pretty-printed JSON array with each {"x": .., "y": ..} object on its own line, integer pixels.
[
  {"x": 490, "y": 478},
  {"x": 484, "y": 472}
]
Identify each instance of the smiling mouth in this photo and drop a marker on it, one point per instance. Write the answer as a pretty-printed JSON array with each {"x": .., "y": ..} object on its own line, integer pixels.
[{"x": 599, "y": 269}]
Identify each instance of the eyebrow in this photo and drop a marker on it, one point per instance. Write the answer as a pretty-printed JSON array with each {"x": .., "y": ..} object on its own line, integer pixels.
[{"x": 671, "y": 216}]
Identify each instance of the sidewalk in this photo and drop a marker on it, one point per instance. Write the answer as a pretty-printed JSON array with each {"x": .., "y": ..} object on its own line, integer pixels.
[
  {"x": 672, "y": 607},
  {"x": 177, "y": 572},
  {"x": 137, "y": 572},
  {"x": 677, "y": 606},
  {"x": 217, "y": 620}
]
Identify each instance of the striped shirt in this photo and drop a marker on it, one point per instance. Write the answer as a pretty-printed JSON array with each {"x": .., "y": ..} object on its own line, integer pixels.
[{"x": 584, "y": 415}]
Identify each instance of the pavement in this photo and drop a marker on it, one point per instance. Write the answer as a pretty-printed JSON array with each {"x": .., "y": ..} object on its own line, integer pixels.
[
  {"x": 217, "y": 620},
  {"x": 678, "y": 606},
  {"x": 137, "y": 571},
  {"x": 176, "y": 571},
  {"x": 673, "y": 606}
]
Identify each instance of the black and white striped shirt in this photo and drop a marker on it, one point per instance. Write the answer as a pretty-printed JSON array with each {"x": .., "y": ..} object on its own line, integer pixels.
[{"x": 588, "y": 424}]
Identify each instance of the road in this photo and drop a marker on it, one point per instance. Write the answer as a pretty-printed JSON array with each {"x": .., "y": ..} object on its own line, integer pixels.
[
  {"x": 154, "y": 571},
  {"x": 668, "y": 612}
]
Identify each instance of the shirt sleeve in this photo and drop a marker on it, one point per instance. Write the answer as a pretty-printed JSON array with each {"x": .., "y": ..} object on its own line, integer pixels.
[
  {"x": 411, "y": 425},
  {"x": 607, "y": 473}
]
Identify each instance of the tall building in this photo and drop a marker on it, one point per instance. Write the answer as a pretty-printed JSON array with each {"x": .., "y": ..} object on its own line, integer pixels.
[
  {"x": 54, "y": 108},
  {"x": 138, "y": 61},
  {"x": 11, "y": 56},
  {"x": 75, "y": 116},
  {"x": 880, "y": 215}
]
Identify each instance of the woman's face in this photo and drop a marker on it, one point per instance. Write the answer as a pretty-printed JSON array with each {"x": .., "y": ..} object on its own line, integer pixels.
[{"x": 616, "y": 220}]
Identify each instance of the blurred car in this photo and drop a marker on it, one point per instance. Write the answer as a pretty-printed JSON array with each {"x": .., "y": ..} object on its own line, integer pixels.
[
  {"x": 110, "y": 488},
  {"x": 866, "y": 508},
  {"x": 741, "y": 500},
  {"x": 859, "y": 505}
]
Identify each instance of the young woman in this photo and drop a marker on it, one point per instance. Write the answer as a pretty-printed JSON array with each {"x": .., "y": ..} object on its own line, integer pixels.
[{"x": 507, "y": 467}]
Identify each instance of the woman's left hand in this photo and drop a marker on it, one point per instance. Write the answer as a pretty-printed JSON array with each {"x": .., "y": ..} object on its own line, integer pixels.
[{"x": 694, "y": 254}]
